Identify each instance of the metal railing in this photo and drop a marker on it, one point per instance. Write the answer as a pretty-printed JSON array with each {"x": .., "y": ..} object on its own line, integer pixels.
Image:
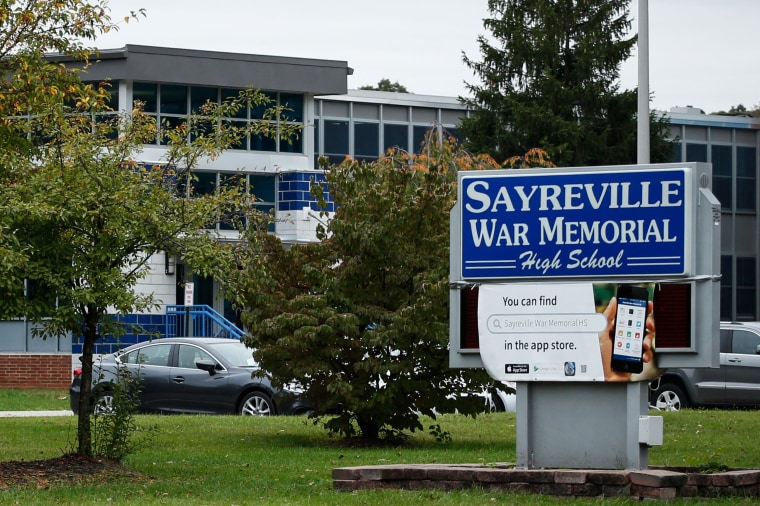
[{"x": 199, "y": 321}]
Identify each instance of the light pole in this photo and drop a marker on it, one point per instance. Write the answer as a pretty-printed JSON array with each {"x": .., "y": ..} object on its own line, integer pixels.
[{"x": 642, "y": 139}]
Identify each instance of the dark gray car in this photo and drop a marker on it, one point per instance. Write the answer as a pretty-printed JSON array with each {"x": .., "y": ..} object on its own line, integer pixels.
[
  {"x": 736, "y": 383},
  {"x": 191, "y": 375}
]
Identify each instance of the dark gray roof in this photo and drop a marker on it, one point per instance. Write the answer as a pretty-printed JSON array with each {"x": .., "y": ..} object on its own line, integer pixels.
[{"x": 213, "y": 68}]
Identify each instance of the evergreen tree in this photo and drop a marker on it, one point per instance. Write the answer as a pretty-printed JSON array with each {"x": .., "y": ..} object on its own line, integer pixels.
[{"x": 549, "y": 74}]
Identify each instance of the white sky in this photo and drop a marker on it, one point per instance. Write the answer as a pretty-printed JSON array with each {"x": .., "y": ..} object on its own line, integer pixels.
[{"x": 702, "y": 52}]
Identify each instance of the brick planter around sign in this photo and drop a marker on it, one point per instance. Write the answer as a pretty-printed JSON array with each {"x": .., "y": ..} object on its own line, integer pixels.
[{"x": 653, "y": 483}]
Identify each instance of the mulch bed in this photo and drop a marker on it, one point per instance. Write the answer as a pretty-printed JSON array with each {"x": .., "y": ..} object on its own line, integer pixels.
[{"x": 67, "y": 469}]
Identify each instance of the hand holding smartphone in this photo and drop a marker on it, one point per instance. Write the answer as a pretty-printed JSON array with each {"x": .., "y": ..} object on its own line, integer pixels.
[{"x": 630, "y": 328}]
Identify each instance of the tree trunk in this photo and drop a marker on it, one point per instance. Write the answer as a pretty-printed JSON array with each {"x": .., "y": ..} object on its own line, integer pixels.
[
  {"x": 369, "y": 429},
  {"x": 84, "y": 432}
]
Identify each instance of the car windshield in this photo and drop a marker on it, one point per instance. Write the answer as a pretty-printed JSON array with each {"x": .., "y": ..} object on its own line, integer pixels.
[{"x": 234, "y": 352}]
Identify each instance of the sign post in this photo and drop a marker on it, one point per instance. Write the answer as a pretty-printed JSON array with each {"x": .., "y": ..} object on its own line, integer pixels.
[
  {"x": 189, "y": 302},
  {"x": 567, "y": 265}
]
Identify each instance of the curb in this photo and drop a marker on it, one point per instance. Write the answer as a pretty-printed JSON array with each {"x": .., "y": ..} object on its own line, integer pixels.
[{"x": 18, "y": 414}]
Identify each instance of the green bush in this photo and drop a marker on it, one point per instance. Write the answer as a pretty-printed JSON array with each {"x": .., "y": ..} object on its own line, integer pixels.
[{"x": 115, "y": 432}]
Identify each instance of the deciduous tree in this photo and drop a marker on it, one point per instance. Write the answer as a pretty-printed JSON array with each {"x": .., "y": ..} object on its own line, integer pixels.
[
  {"x": 82, "y": 218},
  {"x": 361, "y": 318},
  {"x": 29, "y": 83}
]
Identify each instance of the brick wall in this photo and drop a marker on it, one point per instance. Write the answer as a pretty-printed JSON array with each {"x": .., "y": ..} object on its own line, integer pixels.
[{"x": 35, "y": 370}]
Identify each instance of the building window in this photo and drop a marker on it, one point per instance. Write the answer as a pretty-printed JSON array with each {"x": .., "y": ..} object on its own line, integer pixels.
[
  {"x": 232, "y": 93},
  {"x": 231, "y": 180},
  {"x": 455, "y": 133},
  {"x": 113, "y": 94},
  {"x": 746, "y": 179},
  {"x": 106, "y": 119},
  {"x": 171, "y": 103},
  {"x": 263, "y": 141},
  {"x": 204, "y": 183},
  {"x": 726, "y": 284},
  {"x": 317, "y": 149},
  {"x": 173, "y": 99},
  {"x": 147, "y": 94},
  {"x": 746, "y": 288},
  {"x": 257, "y": 110},
  {"x": 676, "y": 156},
  {"x": 366, "y": 140},
  {"x": 395, "y": 136},
  {"x": 261, "y": 186},
  {"x": 335, "y": 140},
  {"x": 722, "y": 162},
  {"x": 292, "y": 144},
  {"x": 418, "y": 137},
  {"x": 293, "y": 105},
  {"x": 242, "y": 142},
  {"x": 696, "y": 152},
  {"x": 199, "y": 95}
]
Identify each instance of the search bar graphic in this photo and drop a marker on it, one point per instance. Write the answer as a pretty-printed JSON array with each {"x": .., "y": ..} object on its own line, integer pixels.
[{"x": 545, "y": 323}]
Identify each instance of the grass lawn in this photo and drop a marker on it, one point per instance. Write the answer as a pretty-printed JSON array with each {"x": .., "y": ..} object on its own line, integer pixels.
[
  {"x": 230, "y": 460},
  {"x": 13, "y": 399}
]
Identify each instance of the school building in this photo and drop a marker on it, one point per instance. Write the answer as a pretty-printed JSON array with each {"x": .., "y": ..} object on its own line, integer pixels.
[{"x": 337, "y": 122}]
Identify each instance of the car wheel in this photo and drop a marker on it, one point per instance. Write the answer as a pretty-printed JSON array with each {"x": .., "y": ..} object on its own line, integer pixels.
[
  {"x": 669, "y": 397},
  {"x": 103, "y": 404},
  {"x": 257, "y": 404}
]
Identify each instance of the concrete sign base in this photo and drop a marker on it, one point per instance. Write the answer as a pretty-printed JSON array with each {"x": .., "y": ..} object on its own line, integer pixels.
[{"x": 581, "y": 425}]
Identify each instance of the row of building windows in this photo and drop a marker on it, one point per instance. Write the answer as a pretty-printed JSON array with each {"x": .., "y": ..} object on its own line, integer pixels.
[
  {"x": 365, "y": 131},
  {"x": 361, "y": 131},
  {"x": 368, "y": 141},
  {"x": 735, "y": 187},
  {"x": 171, "y": 104},
  {"x": 733, "y": 153}
]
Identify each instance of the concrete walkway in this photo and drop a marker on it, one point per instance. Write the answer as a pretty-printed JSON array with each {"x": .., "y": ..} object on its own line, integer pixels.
[{"x": 11, "y": 414}]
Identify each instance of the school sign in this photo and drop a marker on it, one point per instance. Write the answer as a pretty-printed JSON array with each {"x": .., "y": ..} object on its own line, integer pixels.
[
  {"x": 563, "y": 279},
  {"x": 630, "y": 223},
  {"x": 518, "y": 230}
]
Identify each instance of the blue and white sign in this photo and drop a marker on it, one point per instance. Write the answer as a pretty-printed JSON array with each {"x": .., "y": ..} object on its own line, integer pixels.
[{"x": 540, "y": 224}]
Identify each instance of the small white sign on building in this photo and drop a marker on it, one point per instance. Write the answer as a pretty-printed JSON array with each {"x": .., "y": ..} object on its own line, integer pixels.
[{"x": 189, "y": 292}]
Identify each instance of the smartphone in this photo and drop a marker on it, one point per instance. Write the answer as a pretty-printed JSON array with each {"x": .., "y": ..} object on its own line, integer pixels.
[{"x": 630, "y": 327}]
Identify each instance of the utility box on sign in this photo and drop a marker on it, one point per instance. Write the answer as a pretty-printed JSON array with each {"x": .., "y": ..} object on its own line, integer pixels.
[{"x": 650, "y": 430}]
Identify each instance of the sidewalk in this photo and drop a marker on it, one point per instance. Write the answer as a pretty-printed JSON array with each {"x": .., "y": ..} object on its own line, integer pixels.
[{"x": 12, "y": 414}]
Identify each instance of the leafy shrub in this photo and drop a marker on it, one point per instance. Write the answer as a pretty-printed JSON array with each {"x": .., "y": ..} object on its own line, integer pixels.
[{"x": 115, "y": 432}]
